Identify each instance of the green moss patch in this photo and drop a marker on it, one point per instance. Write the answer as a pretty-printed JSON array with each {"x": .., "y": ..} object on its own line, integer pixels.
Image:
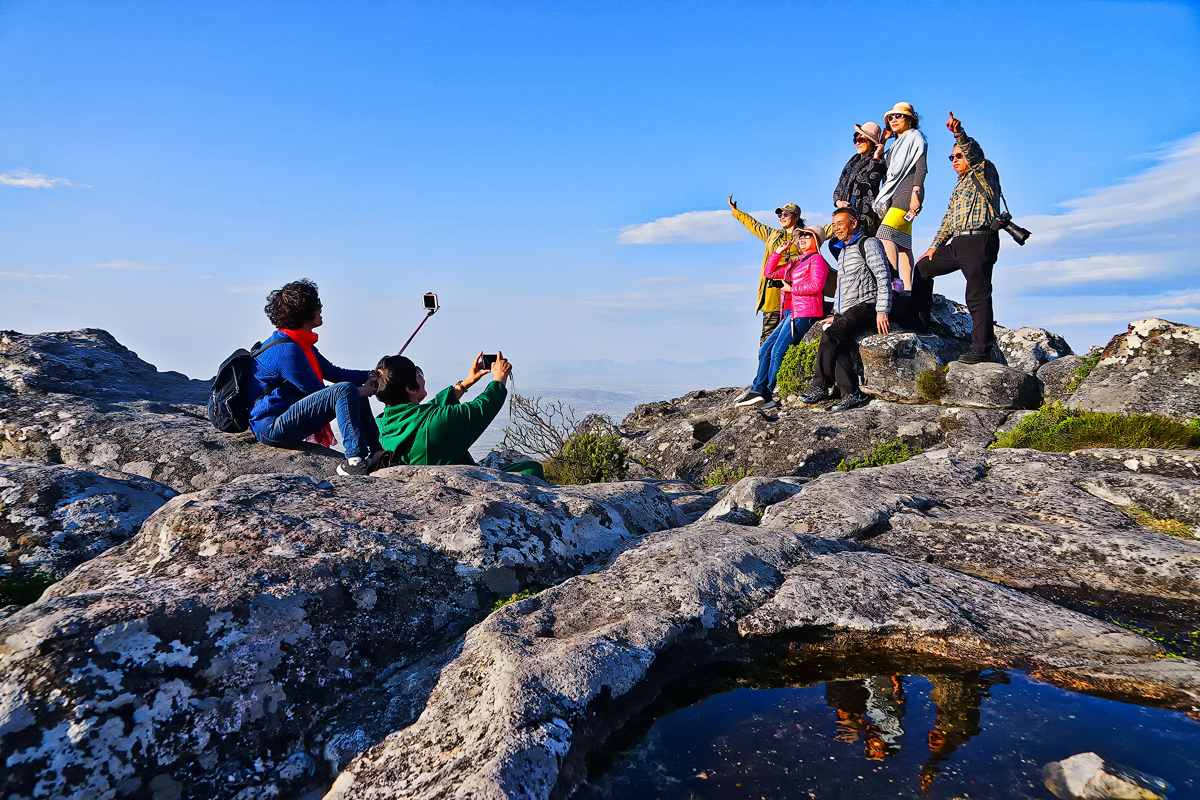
[
  {"x": 883, "y": 453},
  {"x": 1058, "y": 429},
  {"x": 1170, "y": 527}
]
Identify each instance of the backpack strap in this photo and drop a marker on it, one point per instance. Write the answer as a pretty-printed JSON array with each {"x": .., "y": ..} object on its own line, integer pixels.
[{"x": 269, "y": 345}]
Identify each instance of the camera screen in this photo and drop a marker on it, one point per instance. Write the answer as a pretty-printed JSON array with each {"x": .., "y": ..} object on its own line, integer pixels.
[{"x": 430, "y": 300}]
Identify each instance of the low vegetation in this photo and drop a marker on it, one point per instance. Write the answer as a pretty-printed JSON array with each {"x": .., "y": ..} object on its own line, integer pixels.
[
  {"x": 931, "y": 384},
  {"x": 503, "y": 601},
  {"x": 892, "y": 452},
  {"x": 723, "y": 474},
  {"x": 571, "y": 451},
  {"x": 1058, "y": 429},
  {"x": 1171, "y": 527},
  {"x": 1086, "y": 365},
  {"x": 24, "y": 586},
  {"x": 796, "y": 369}
]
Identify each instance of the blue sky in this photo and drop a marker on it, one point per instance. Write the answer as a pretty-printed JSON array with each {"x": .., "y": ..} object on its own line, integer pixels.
[{"x": 163, "y": 165}]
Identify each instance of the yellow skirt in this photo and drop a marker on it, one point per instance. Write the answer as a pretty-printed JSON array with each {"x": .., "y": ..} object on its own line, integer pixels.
[{"x": 894, "y": 218}]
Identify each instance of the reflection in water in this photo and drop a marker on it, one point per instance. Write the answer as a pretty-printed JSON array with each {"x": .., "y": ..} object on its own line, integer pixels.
[{"x": 901, "y": 732}]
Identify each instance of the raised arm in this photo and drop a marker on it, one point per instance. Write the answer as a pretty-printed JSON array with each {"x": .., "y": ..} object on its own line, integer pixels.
[{"x": 754, "y": 226}]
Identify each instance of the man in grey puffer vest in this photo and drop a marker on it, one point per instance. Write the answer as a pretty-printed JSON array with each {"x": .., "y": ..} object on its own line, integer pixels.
[{"x": 864, "y": 298}]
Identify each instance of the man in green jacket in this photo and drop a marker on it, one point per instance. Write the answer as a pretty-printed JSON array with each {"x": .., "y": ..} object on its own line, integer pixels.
[
  {"x": 442, "y": 431},
  {"x": 768, "y": 296}
]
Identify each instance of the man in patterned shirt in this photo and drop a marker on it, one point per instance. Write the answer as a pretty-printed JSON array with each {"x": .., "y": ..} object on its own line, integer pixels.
[
  {"x": 768, "y": 296},
  {"x": 964, "y": 242}
]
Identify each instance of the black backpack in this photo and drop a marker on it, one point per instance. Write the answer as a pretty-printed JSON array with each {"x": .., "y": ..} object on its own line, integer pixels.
[{"x": 228, "y": 406}]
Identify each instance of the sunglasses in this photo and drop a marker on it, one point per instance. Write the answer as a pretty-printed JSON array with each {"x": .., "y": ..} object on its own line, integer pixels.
[
  {"x": 783, "y": 214},
  {"x": 804, "y": 236},
  {"x": 419, "y": 373},
  {"x": 956, "y": 156},
  {"x": 858, "y": 139}
]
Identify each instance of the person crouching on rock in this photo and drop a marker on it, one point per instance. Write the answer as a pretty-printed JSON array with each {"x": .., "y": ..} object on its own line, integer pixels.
[
  {"x": 442, "y": 431},
  {"x": 292, "y": 401},
  {"x": 864, "y": 298},
  {"x": 803, "y": 304}
]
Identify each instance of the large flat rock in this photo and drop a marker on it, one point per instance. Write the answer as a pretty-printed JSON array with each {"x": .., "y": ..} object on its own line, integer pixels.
[{"x": 202, "y": 656}]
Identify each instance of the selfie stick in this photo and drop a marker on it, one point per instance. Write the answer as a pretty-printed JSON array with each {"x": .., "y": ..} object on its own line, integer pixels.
[{"x": 432, "y": 311}]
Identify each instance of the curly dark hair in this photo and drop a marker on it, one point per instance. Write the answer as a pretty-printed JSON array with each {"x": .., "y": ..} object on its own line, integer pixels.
[
  {"x": 391, "y": 376},
  {"x": 293, "y": 305}
]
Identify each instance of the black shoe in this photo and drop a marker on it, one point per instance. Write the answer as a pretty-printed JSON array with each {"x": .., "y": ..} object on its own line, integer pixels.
[
  {"x": 974, "y": 357},
  {"x": 849, "y": 401},
  {"x": 354, "y": 466},
  {"x": 814, "y": 395}
]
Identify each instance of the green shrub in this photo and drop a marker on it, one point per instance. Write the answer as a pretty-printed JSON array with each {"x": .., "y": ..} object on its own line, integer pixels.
[
  {"x": 503, "y": 601},
  {"x": 1084, "y": 369},
  {"x": 588, "y": 458},
  {"x": 796, "y": 369},
  {"x": 24, "y": 586},
  {"x": 1058, "y": 429},
  {"x": 723, "y": 474},
  {"x": 931, "y": 384},
  {"x": 710, "y": 450},
  {"x": 883, "y": 453}
]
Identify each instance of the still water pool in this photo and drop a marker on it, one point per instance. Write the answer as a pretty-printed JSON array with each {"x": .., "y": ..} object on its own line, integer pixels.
[{"x": 935, "y": 731}]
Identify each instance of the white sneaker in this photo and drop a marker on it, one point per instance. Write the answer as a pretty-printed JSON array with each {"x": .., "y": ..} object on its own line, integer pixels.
[
  {"x": 752, "y": 400},
  {"x": 744, "y": 396},
  {"x": 769, "y": 404}
]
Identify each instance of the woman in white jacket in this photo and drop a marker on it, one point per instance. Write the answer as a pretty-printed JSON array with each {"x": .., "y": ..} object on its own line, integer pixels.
[{"x": 903, "y": 190}]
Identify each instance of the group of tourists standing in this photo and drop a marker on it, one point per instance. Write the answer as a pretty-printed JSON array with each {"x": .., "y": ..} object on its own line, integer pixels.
[{"x": 880, "y": 192}]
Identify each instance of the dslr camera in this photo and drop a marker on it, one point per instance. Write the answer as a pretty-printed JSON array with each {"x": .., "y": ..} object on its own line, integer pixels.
[{"x": 1003, "y": 222}]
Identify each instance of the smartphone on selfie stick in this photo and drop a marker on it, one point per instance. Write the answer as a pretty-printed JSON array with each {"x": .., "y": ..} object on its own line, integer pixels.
[{"x": 429, "y": 301}]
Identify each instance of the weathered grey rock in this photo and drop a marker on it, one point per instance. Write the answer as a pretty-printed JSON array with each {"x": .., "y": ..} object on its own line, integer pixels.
[
  {"x": 1183, "y": 464},
  {"x": 1087, "y": 776},
  {"x": 1027, "y": 349},
  {"x": 949, "y": 319},
  {"x": 89, "y": 363},
  {"x": 54, "y": 518},
  {"x": 1022, "y": 518},
  {"x": 204, "y": 650},
  {"x": 990, "y": 385},
  {"x": 515, "y": 714},
  {"x": 175, "y": 445},
  {"x": 753, "y": 495},
  {"x": 1165, "y": 498},
  {"x": 692, "y": 503},
  {"x": 1153, "y": 368},
  {"x": 794, "y": 441},
  {"x": 892, "y": 363},
  {"x": 1056, "y": 377}
]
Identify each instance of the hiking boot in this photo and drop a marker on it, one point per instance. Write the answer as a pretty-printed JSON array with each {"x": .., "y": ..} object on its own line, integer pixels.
[
  {"x": 751, "y": 399},
  {"x": 354, "y": 466},
  {"x": 814, "y": 395},
  {"x": 850, "y": 400},
  {"x": 974, "y": 357}
]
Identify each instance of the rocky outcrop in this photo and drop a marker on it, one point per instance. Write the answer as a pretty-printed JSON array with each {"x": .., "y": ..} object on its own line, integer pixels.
[
  {"x": 80, "y": 397},
  {"x": 1087, "y": 776},
  {"x": 989, "y": 385},
  {"x": 750, "y": 497},
  {"x": 691, "y": 436},
  {"x": 1028, "y": 349},
  {"x": 893, "y": 363},
  {"x": 1019, "y": 517},
  {"x": 201, "y": 657},
  {"x": 1153, "y": 368},
  {"x": 540, "y": 683},
  {"x": 53, "y": 518},
  {"x": 1056, "y": 377}
]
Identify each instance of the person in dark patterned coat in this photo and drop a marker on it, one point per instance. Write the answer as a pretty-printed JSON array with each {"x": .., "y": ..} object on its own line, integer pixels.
[{"x": 859, "y": 183}]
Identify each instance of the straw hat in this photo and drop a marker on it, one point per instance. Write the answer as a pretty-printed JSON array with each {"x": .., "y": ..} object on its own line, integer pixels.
[
  {"x": 901, "y": 108},
  {"x": 869, "y": 130}
]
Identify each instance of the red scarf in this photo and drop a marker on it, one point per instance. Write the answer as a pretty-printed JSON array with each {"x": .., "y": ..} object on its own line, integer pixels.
[{"x": 306, "y": 340}]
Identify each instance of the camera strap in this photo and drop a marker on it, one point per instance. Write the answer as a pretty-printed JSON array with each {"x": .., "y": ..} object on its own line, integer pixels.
[{"x": 990, "y": 197}]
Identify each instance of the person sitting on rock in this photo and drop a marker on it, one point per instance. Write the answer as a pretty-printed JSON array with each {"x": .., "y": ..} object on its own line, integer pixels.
[
  {"x": 804, "y": 303},
  {"x": 442, "y": 431},
  {"x": 291, "y": 401},
  {"x": 862, "y": 303}
]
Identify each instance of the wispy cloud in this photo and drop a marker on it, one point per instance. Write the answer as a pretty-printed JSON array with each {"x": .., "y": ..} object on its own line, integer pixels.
[
  {"x": 133, "y": 266},
  {"x": 1091, "y": 268},
  {"x": 24, "y": 179},
  {"x": 707, "y": 297},
  {"x": 33, "y": 276},
  {"x": 702, "y": 227}
]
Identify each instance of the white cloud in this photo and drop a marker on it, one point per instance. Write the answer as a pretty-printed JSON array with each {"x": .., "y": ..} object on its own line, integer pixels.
[
  {"x": 702, "y": 227},
  {"x": 25, "y": 179},
  {"x": 32, "y": 276},
  {"x": 134, "y": 266},
  {"x": 1090, "y": 268}
]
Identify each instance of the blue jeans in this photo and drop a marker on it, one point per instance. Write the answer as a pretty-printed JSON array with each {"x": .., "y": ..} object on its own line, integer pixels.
[
  {"x": 770, "y": 355},
  {"x": 360, "y": 434}
]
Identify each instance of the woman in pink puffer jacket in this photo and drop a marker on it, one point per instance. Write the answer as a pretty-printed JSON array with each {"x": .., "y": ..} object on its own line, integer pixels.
[{"x": 801, "y": 304}]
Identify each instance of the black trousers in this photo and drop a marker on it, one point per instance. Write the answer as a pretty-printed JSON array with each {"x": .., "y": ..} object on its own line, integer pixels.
[
  {"x": 975, "y": 256},
  {"x": 835, "y": 354}
]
